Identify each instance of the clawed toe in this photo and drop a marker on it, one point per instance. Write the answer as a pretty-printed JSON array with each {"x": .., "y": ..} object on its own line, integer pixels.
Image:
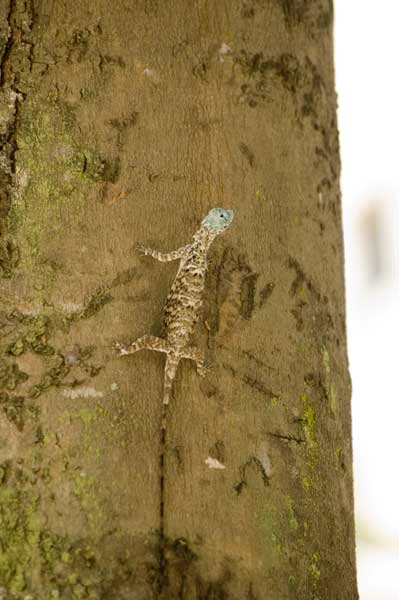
[
  {"x": 204, "y": 369},
  {"x": 121, "y": 348},
  {"x": 140, "y": 249}
]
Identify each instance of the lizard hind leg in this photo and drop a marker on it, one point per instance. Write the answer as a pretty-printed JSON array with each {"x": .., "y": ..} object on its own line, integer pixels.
[
  {"x": 146, "y": 342},
  {"x": 198, "y": 357}
]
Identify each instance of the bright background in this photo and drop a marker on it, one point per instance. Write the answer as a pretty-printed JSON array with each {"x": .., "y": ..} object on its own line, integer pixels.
[{"x": 367, "y": 74}]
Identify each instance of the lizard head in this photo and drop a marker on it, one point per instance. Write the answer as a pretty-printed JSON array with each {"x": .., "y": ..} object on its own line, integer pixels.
[{"x": 218, "y": 219}]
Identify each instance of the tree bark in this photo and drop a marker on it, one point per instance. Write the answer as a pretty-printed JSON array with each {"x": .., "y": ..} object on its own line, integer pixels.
[{"x": 125, "y": 122}]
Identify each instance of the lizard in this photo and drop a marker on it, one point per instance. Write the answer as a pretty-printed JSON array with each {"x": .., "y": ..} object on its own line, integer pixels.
[
  {"x": 184, "y": 302},
  {"x": 181, "y": 313}
]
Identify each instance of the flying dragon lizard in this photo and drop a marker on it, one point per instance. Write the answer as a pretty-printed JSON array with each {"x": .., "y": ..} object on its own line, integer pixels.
[{"x": 184, "y": 302}]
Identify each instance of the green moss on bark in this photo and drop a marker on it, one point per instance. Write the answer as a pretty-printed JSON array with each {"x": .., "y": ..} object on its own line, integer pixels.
[
  {"x": 19, "y": 537},
  {"x": 55, "y": 173},
  {"x": 31, "y": 552}
]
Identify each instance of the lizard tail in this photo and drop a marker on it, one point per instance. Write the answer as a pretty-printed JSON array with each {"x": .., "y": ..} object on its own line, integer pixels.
[{"x": 171, "y": 365}]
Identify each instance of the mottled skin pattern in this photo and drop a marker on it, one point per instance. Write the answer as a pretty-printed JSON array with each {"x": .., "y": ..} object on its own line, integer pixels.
[{"x": 184, "y": 302}]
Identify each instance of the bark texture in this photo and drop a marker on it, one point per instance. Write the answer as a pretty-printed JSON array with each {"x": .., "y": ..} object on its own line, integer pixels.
[{"x": 125, "y": 122}]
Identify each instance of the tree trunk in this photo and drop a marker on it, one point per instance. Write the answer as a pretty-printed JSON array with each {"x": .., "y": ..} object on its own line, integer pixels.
[{"x": 124, "y": 122}]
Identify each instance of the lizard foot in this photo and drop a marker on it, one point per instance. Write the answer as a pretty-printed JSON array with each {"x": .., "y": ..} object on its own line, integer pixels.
[
  {"x": 141, "y": 249},
  {"x": 123, "y": 349},
  {"x": 204, "y": 369}
]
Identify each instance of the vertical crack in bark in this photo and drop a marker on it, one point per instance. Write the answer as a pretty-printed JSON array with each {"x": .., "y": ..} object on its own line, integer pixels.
[
  {"x": 16, "y": 52},
  {"x": 7, "y": 46},
  {"x": 7, "y": 140},
  {"x": 19, "y": 22},
  {"x": 162, "y": 539}
]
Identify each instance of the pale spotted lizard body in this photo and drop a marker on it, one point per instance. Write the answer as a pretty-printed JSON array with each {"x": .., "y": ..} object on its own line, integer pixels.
[{"x": 184, "y": 302}]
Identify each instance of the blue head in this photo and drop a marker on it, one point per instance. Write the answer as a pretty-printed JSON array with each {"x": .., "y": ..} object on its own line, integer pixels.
[{"x": 218, "y": 219}]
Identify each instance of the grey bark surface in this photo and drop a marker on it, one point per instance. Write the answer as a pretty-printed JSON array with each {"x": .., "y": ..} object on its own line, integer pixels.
[{"x": 122, "y": 123}]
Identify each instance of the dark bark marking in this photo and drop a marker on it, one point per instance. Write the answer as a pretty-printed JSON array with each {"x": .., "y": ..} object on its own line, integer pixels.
[
  {"x": 252, "y": 462},
  {"x": 9, "y": 251},
  {"x": 297, "y": 314},
  {"x": 61, "y": 367},
  {"x": 312, "y": 100},
  {"x": 247, "y": 10},
  {"x": 299, "y": 276},
  {"x": 11, "y": 376},
  {"x": 250, "y": 594},
  {"x": 256, "y": 360},
  {"x": 314, "y": 16},
  {"x": 101, "y": 169},
  {"x": 324, "y": 186},
  {"x": 208, "y": 388},
  {"x": 288, "y": 438},
  {"x": 181, "y": 578},
  {"x": 259, "y": 386},
  {"x": 112, "y": 61},
  {"x": 312, "y": 306},
  {"x": 247, "y": 152},
  {"x": 93, "y": 304},
  {"x": 13, "y": 408},
  {"x": 253, "y": 382},
  {"x": 32, "y": 334},
  {"x": 248, "y": 291},
  {"x": 39, "y": 435},
  {"x": 200, "y": 71},
  {"x": 265, "y": 293},
  {"x": 5, "y": 470},
  {"x": 177, "y": 452},
  {"x": 124, "y": 277},
  {"x": 302, "y": 279},
  {"x": 342, "y": 460},
  {"x": 122, "y": 126},
  {"x": 315, "y": 381},
  {"x": 328, "y": 160},
  {"x": 78, "y": 45},
  {"x": 218, "y": 451},
  {"x": 95, "y": 301},
  {"x": 230, "y": 297},
  {"x": 294, "y": 10}
]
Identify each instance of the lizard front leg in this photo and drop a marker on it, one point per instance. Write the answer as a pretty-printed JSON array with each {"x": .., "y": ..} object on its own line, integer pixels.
[
  {"x": 161, "y": 256},
  {"x": 146, "y": 342},
  {"x": 195, "y": 354}
]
